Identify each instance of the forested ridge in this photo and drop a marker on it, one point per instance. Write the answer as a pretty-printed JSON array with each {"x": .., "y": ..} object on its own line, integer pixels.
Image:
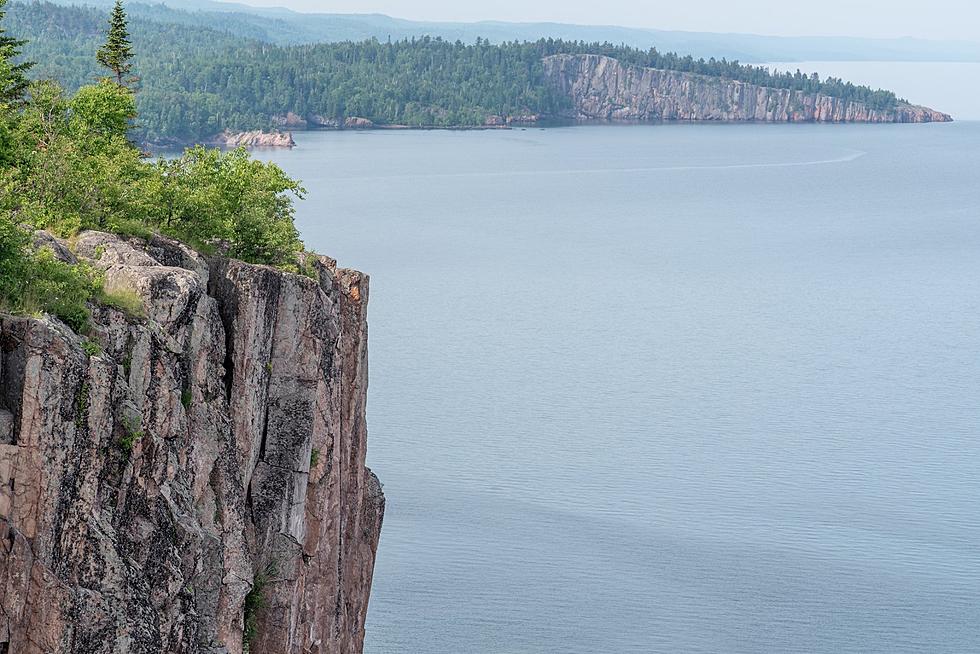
[{"x": 195, "y": 81}]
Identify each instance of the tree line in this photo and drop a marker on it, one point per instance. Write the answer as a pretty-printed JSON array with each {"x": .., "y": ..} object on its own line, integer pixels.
[{"x": 197, "y": 81}]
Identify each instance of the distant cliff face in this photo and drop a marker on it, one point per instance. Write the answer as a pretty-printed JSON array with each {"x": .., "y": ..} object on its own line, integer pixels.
[
  {"x": 602, "y": 88},
  {"x": 200, "y": 477}
]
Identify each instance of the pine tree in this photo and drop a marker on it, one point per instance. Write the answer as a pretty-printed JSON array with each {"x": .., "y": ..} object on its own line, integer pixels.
[
  {"x": 117, "y": 53},
  {"x": 13, "y": 76}
]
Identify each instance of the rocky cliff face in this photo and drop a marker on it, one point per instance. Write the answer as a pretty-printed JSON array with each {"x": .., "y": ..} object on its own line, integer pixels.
[
  {"x": 200, "y": 477},
  {"x": 254, "y": 139},
  {"x": 602, "y": 88}
]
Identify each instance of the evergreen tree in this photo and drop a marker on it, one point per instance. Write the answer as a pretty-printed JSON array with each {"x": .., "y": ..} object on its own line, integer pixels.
[
  {"x": 117, "y": 53},
  {"x": 13, "y": 75}
]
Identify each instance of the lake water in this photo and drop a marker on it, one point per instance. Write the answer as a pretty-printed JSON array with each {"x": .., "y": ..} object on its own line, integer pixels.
[{"x": 672, "y": 388}]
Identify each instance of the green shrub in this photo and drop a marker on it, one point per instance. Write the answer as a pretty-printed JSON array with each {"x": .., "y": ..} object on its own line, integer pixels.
[
  {"x": 254, "y": 601},
  {"x": 208, "y": 195},
  {"x": 35, "y": 282},
  {"x": 132, "y": 432},
  {"x": 105, "y": 108}
]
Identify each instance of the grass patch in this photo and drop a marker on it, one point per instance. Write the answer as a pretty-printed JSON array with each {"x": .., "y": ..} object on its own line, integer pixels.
[
  {"x": 314, "y": 457},
  {"x": 125, "y": 300},
  {"x": 91, "y": 348}
]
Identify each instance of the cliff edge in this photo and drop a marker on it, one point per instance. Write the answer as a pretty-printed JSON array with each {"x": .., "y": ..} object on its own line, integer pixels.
[
  {"x": 602, "y": 88},
  {"x": 191, "y": 479}
]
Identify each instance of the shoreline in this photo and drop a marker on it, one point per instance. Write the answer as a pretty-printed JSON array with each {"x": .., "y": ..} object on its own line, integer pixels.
[{"x": 283, "y": 139}]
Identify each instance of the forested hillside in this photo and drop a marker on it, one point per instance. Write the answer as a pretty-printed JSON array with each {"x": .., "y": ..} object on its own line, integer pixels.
[
  {"x": 286, "y": 27},
  {"x": 195, "y": 82}
]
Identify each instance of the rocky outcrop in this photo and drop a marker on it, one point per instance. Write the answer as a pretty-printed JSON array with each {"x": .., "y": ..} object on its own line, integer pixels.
[
  {"x": 254, "y": 139},
  {"x": 504, "y": 121},
  {"x": 317, "y": 120},
  {"x": 290, "y": 120},
  {"x": 199, "y": 473},
  {"x": 355, "y": 122},
  {"x": 601, "y": 88}
]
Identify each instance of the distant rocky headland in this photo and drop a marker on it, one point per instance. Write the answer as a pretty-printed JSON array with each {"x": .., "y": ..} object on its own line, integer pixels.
[
  {"x": 602, "y": 88},
  {"x": 227, "y": 83}
]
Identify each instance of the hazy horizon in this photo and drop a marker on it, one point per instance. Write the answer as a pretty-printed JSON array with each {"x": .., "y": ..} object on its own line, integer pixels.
[{"x": 960, "y": 21}]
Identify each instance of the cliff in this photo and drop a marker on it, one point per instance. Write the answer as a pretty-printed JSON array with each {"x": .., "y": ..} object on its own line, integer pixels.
[
  {"x": 601, "y": 88},
  {"x": 197, "y": 476}
]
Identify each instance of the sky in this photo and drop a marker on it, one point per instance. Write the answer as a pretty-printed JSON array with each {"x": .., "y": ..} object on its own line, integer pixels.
[{"x": 946, "y": 19}]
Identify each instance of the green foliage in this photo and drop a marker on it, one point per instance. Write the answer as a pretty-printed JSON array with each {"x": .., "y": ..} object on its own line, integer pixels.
[
  {"x": 13, "y": 259},
  {"x": 197, "y": 81},
  {"x": 91, "y": 348},
  {"x": 69, "y": 166},
  {"x": 186, "y": 397},
  {"x": 73, "y": 167},
  {"x": 117, "y": 52},
  {"x": 254, "y": 601},
  {"x": 104, "y": 109},
  {"x": 60, "y": 289},
  {"x": 34, "y": 282},
  {"x": 314, "y": 457},
  {"x": 307, "y": 268},
  {"x": 13, "y": 73},
  {"x": 132, "y": 432},
  {"x": 208, "y": 196}
]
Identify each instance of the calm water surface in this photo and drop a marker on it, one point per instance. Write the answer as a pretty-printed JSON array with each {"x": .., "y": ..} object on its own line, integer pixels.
[{"x": 669, "y": 388}]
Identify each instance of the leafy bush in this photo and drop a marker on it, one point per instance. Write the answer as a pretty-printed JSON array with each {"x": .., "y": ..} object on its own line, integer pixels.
[
  {"x": 36, "y": 282},
  {"x": 208, "y": 196},
  {"x": 105, "y": 109}
]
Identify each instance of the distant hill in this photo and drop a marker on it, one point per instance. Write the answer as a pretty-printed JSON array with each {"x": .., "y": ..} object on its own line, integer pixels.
[
  {"x": 286, "y": 27},
  {"x": 196, "y": 81}
]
